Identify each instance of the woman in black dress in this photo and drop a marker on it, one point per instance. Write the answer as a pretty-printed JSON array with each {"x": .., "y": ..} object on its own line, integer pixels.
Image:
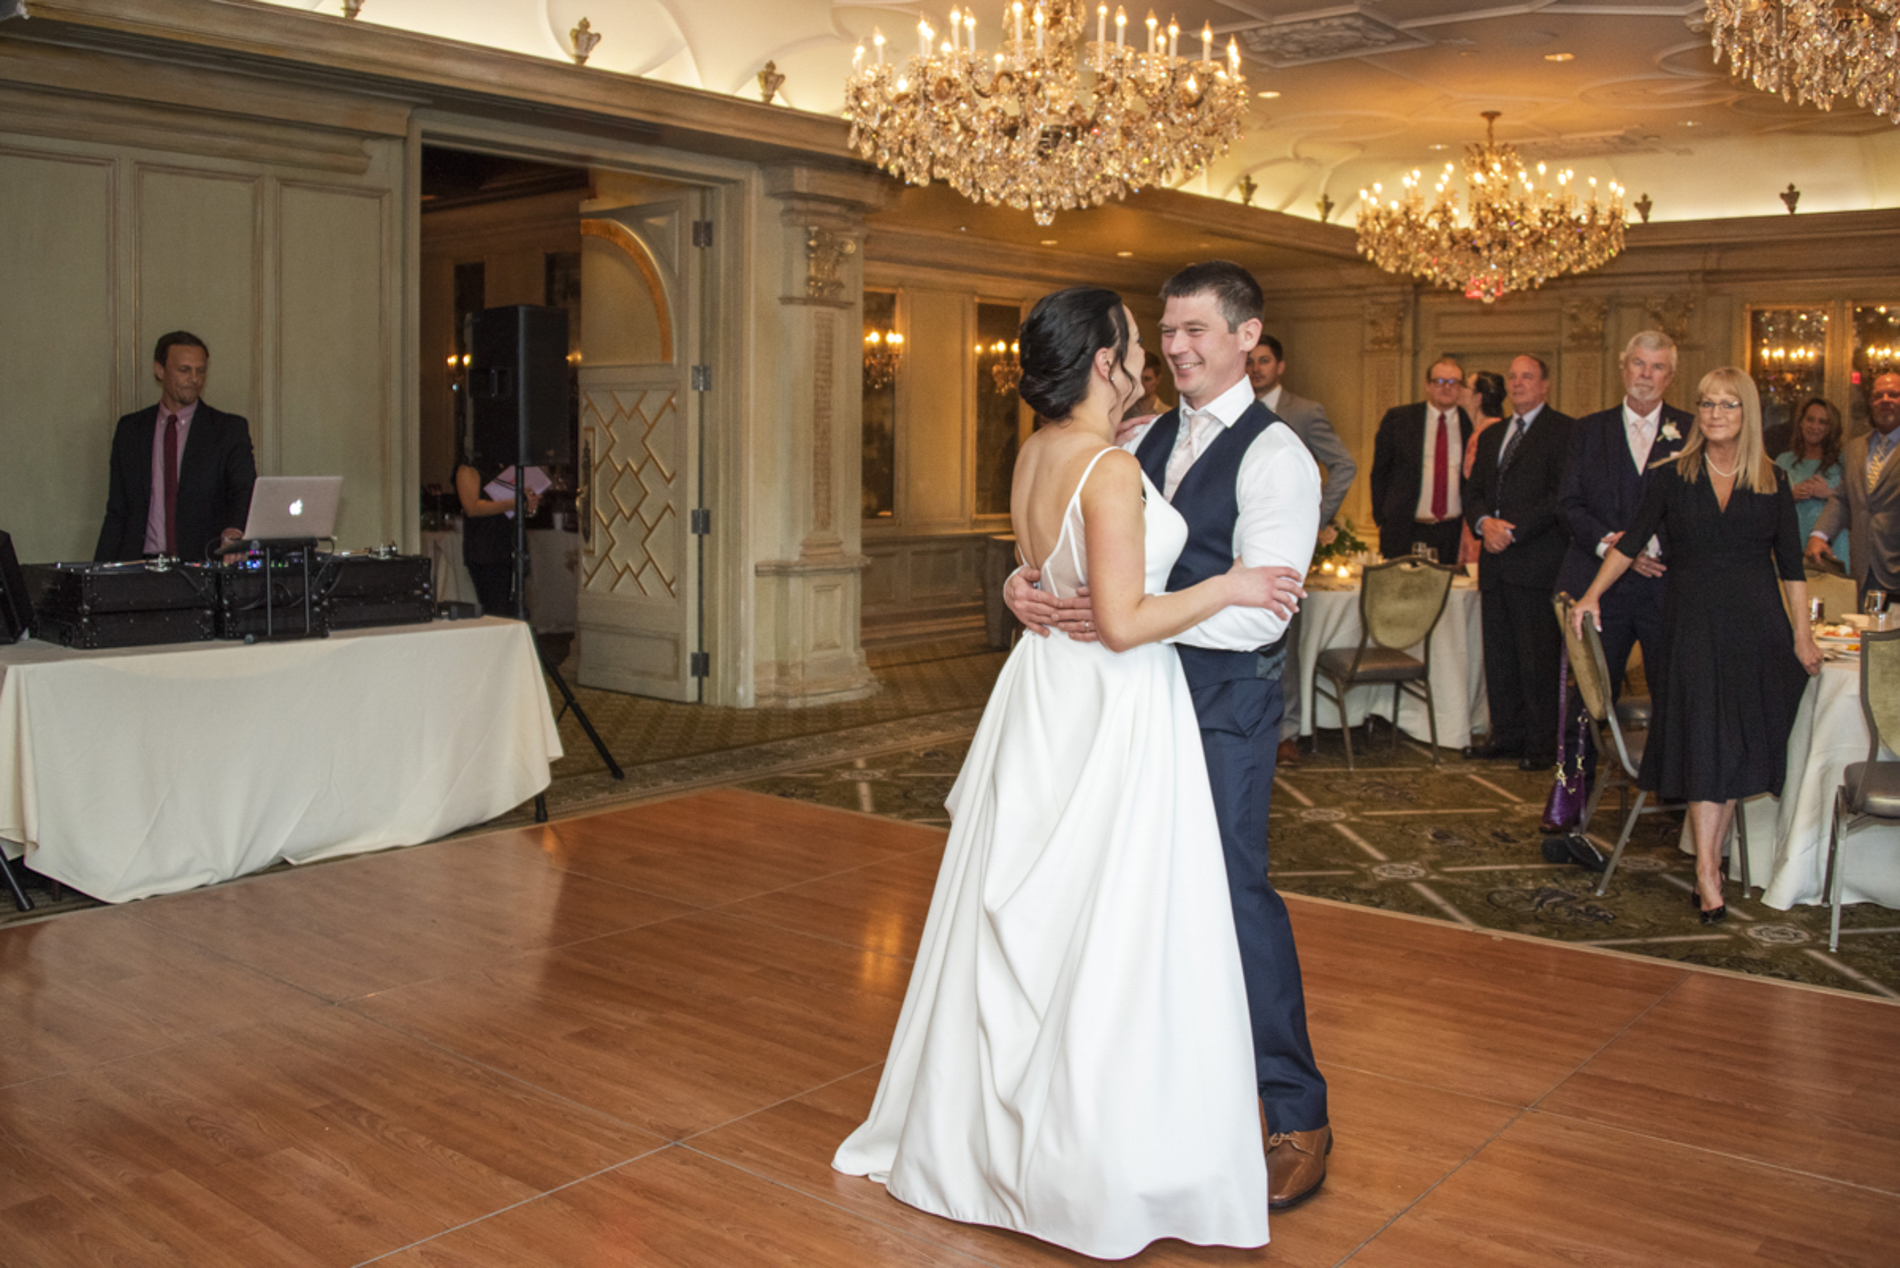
[
  {"x": 1732, "y": 669},
  {"x": 488, "y": 538}
]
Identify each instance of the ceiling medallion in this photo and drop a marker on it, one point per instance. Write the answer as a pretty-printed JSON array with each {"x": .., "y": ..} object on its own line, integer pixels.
[
  {"x": 1517, "y": 236},
  {"x": 1049, "y": 122},
  {"x": 1816, "y": 52}
]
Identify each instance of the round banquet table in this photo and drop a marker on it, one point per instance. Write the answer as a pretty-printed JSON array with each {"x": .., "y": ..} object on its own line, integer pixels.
[
  {"x": 1330, "y": 618},
  {"x": 1787, "y": 837}
]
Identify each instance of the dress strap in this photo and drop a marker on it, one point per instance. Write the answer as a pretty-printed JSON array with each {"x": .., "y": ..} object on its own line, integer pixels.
[{"x": 1075, "y": 509}]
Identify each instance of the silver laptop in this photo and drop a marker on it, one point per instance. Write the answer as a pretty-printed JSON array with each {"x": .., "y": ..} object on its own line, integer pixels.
[{"x": 293, "y": 506}]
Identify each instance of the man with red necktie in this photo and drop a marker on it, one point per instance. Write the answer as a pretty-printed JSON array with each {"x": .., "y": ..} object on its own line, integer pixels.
[
  {"x": 1417, "y": 466},
  {"x": 182, "y": 471}
]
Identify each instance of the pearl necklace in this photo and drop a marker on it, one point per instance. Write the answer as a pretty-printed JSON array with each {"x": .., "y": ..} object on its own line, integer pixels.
[{"x": 1727, "y": 475}]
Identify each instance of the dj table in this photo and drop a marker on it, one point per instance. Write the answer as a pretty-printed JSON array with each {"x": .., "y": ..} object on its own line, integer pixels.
[{"x": 144, "y": 771}]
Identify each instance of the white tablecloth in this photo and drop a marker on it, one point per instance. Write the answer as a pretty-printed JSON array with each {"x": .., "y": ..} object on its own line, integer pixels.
[
  {"x": 1787, "y": 838},
  {"x": 150, "y": 770},
  {"x": 1331, "y": 619}
]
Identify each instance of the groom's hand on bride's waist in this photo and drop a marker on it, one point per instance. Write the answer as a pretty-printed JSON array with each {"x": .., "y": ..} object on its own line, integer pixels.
[{"x": 1040, "y": 613}]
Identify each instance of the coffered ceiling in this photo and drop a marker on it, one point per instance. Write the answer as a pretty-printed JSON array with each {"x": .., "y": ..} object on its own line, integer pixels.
[{"x": 1365, "y": 91}]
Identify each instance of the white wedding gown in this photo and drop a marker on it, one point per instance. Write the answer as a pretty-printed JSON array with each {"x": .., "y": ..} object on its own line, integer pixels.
[{"x": 1073, "y": 1059}]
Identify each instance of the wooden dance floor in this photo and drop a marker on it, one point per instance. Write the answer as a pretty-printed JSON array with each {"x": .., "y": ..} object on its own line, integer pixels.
[{"x": 636, "y": 1039}]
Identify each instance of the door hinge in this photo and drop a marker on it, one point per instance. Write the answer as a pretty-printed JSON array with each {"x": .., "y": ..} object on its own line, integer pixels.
[
  {"x": 701, "y": 665},
  {"x": 702, "y": 378},
  {"x": 700, "y": 521},
  {"x": 702, "y": 233}
]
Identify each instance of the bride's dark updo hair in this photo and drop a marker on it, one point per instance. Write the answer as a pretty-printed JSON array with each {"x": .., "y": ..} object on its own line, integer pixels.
[{"x": 1058, "y": 343}]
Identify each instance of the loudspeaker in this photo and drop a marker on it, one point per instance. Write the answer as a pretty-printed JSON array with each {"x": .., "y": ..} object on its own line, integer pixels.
[
  {"x": 16, "y": 608},
  {"x": 518, "y": 386}
]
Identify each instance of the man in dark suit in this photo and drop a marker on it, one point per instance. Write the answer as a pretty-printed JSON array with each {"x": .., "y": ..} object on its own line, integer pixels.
[
  {"x": 1417, "y": 458},
  {"x": 1511, "y": 504},
  {"x": 182, "y": 471},
  {"x": 1609, "y": 452}
]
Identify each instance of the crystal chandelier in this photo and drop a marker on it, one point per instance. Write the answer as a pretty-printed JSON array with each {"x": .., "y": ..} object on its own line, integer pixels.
[
  {"x": 1813, "y": 51},
  {"x": 1048, "y": 123},
  {"x": 1518, "y": 235}
]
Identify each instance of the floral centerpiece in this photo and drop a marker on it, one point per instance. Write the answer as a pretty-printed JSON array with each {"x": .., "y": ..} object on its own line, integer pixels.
[{"x": 1337, "y": 541}]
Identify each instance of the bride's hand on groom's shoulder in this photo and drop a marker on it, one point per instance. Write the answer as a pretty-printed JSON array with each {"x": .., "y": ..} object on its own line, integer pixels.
[{"x": 1276, "y": 588}]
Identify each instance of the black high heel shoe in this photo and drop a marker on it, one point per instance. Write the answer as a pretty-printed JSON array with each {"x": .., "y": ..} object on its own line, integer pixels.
[{"x": 1715, "y": 917}]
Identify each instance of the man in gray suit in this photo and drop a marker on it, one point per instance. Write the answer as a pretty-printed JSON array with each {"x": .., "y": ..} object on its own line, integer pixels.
[
  {"x": 1265, "y": 364},
  {"x": 1867, "y": 500}
]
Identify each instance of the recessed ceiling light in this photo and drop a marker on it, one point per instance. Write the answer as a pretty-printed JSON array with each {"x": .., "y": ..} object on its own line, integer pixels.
[
  {"x": 1270, "y": 93},
  {"x": 1438, "y": 145},
  {"x": 1048, "y": 242},
  {"x": 1124, "y": 254},
  {"x": 1691, "y": 123},
  {"x": 1560, "y": 57}
]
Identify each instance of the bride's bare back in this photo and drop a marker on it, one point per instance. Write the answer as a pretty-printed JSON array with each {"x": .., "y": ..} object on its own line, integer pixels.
[{"x": 1048, "y": 470}]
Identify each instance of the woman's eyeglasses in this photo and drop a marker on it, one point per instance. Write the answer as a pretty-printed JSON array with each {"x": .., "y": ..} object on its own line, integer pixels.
[{"x": 1726, "y": 407}]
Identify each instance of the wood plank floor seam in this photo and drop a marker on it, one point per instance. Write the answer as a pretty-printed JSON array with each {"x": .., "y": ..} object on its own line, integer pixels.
[
  {"x": 1728, "y": 1155},
  {"x": 502, "y": 1210},
  {"x": 1451, "y": 1171},
  {"x": 784, "y": 1100},
  {"x": 1609, "y": 1043},
  {"x": 844, "y": 1210}
]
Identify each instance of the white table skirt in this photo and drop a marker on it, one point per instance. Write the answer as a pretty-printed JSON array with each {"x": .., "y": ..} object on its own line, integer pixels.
[
  {"x": 1788, "y": 837},
  {"x": 151, "y": 770},
  {"x": 1331, "y": 619}
]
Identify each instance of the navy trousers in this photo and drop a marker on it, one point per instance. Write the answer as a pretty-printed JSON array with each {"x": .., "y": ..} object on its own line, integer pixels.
[{"x": 1240, "y": 733}]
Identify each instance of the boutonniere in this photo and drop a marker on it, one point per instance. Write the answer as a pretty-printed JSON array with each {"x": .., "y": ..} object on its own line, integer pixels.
[{"x": 1670, "y": 433}]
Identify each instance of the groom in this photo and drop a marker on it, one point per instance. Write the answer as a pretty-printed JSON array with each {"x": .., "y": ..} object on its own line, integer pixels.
[{"x": 1247, "y": 486}]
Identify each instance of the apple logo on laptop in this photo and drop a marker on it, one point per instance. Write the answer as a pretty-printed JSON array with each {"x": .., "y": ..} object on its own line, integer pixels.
[{"x": 296, "y": 508}]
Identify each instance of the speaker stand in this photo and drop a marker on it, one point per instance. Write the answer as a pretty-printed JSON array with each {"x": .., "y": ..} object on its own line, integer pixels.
[{"x": 548, "y": 667}]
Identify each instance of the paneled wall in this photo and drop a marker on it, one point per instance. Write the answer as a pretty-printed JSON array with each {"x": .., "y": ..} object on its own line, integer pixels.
[{"x": 275, "y": 239}]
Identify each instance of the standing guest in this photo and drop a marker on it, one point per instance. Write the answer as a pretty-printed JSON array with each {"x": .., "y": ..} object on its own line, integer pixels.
[
  {"x": 1813, "y": 464},
  {"x": 1483, "y": 401},
  {"x": 488, "y": 538},
  {"x": 182, "y": 471},
  {"x": 1867, "y": 500},
  {"x": 1416, "y": 458},
  {"x": 1733, "y": 668},
  {"x": 1609, "y": 452},
  {"x": 1266, "y": 365},
  {"x": 1149, "y": 403},
  {"x": 1511, "y": 504}
]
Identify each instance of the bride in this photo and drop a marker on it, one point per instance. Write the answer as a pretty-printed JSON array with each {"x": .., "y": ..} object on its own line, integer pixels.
[{"x": 1074, "y": 1059}]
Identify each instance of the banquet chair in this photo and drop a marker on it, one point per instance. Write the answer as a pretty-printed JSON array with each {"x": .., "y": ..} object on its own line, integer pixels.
[
  {"x": 1400, "y": 602},
  {"x": 20, "y": 900},
  {"x": 1622, "y": 729},
  {"x": 1870, "y": 790}
]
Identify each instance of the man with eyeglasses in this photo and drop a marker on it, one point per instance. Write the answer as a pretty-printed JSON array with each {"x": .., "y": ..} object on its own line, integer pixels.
[
  {"x": 1867, "y": 500},
  {"x": 1511, "y": 503},
  {"x": 1417, "y": 463}
]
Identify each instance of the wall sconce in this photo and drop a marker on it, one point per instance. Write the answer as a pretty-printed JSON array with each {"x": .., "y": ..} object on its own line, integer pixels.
[
  {"x": 1006, "y": 371},
  {"x": 883, "y": 356}
]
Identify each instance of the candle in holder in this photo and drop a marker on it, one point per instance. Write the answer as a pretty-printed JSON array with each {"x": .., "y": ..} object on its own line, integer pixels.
[
  {"x": 1101, "y": 24},
  {"x": 1121, "y": 26},
  {"x": 1174, "y": 39},
  {"x": 1017, "y": 9},
  {"x": 1153, "y": 22},
  {"x": 1207, "y": 41},
  {"x": 877, "y": 38}
]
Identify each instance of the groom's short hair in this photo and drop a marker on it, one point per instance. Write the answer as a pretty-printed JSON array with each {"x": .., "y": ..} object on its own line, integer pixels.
[{"x": 1232, "y": 287}]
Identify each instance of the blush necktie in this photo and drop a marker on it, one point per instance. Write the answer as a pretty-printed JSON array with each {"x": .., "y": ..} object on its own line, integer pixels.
[
  {"x": 171, "y": 484},
  {"x": 1441, "y": 467},
  {"x": 1185, "y": 452}
]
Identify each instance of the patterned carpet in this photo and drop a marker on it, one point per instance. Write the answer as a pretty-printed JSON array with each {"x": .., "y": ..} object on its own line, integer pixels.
[{"x": 1460, "y": 843}]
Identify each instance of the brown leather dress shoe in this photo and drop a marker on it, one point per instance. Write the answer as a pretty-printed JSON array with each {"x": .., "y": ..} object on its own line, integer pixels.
[
  {"x": 1296, "y": 1166},
  {"x": 1289, "y": 754}
]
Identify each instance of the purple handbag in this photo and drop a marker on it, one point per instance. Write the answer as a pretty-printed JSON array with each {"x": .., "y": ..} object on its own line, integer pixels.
[{"x": 1564, "y": 807}]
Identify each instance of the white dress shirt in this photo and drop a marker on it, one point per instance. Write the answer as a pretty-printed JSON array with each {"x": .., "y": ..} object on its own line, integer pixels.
[
  {"x": 1278, "y": 488},
  {"x": 1271, "y": 397},
  {"x": 1454, "y": 462},
  {"x": 1640, "y": 430}
]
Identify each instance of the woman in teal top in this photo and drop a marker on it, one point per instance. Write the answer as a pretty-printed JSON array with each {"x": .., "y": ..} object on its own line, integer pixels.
[{"x": 1814, "y": 466}]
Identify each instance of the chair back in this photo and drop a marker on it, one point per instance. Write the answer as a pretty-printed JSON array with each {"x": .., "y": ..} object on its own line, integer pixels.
[
  {"x": 1401, "y": 600},
  {"x": 1880, "y": 687},
  {"x": 1590, "y": 675},
  {"x": 1835, "y": 590}
]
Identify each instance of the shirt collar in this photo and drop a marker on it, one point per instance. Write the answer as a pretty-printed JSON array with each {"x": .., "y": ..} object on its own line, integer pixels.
[
  {"x": 1271, "y": 397},
  {"x": 1645, "y": 421},
  {"x": 1886, "y": 441},
  {"x": 1229, "y": 405},
  {"x": 1530, "y": 417},
  {"x": 185, "y": 415}
]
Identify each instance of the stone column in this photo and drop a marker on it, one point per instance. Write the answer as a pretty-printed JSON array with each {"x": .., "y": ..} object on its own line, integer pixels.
[{"x": 809, "y": 599}]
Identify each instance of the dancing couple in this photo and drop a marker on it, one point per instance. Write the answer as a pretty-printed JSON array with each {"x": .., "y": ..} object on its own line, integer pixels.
[{"x": 1104, "y": 1038}]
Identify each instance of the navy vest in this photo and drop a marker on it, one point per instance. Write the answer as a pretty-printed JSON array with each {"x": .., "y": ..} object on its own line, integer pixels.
[{"x": 1209, "y": 501}]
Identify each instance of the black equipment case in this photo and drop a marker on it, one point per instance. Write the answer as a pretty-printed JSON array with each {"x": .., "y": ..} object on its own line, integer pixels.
[
  {"x": 377, "y": 589},
  {"x": 135, "y": 604}
]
